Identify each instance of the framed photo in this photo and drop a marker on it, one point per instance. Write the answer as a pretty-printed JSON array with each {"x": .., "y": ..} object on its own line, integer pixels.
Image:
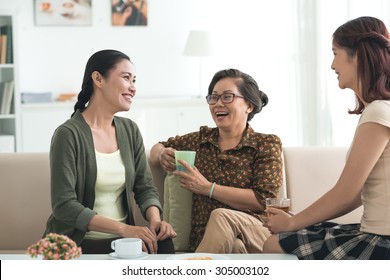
[
  {"x": 129, "y": 12},
  {"x": 63, "y": 12}
]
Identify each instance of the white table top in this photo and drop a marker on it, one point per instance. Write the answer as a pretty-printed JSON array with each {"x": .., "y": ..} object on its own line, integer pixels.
[{"x": 165, "y": 256}]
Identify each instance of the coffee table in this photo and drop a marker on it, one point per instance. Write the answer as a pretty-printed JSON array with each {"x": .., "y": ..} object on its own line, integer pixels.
[{"x": 165, "y": 256}]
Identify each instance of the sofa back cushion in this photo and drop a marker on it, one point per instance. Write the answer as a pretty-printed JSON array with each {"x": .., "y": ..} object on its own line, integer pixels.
[{"x": 311, "y": 172}]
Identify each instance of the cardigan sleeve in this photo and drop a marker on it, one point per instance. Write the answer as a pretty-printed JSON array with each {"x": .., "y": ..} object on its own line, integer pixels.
[
  {"x": 139, "y": 174},
  {"x": 67, "y": 193}
]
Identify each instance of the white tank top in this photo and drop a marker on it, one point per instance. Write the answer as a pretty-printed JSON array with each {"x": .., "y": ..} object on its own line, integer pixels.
[{"x": 109, "y": 191}]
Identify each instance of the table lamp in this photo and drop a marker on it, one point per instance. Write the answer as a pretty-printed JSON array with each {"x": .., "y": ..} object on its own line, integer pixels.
[{"x": 200, "y": 44}]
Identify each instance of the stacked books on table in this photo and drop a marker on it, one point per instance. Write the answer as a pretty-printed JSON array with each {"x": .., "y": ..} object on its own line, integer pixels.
[
  {"x": 6, "y": 95},
  {"x": 37, "y": 97}
]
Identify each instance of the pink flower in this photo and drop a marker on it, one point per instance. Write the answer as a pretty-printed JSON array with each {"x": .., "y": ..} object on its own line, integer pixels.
[{"x": 55, "y": 247}]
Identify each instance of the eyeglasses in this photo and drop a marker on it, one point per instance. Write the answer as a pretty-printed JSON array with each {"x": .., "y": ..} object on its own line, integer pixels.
[{"x": 226, "y": 98}]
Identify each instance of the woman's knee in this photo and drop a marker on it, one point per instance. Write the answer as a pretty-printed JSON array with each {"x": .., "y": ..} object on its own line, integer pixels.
[{"x": 218, "y": 214}]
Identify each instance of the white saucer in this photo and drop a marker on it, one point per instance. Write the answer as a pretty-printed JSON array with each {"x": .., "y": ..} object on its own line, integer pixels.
[{"x": 141, "y": 256}]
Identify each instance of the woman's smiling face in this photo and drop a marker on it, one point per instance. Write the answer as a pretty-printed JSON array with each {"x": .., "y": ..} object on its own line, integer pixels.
[
  {"x": 119, "y": 87},
  {"x": 231, "y": 115},
  {"x": 345, "y": 67}
]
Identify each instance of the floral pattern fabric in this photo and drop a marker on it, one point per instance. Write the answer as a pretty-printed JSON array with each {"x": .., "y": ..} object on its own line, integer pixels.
[{"x": 255, "y": 163}]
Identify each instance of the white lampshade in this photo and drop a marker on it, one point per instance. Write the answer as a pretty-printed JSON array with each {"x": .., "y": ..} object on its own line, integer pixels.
[{"x": 199, "y": 43}]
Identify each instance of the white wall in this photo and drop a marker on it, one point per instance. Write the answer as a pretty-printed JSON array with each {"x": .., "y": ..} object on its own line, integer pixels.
[
  {"x": 256, "y": 36},
  {"x": 53, "y": 58}
]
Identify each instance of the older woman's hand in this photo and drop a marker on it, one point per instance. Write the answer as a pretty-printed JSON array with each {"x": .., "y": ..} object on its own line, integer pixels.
[
  {"x": 167, "y": 159},
  {"x": 193, "y": 180}
]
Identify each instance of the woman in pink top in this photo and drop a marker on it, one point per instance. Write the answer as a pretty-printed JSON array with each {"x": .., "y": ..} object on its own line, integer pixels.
[{"x": 361, "y": 50}]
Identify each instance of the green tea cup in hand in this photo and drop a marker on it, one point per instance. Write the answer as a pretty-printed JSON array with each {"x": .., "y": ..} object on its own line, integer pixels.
[{"x": 187, "y": 156}]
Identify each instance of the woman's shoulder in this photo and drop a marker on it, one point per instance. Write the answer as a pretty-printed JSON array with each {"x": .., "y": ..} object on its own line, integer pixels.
[
  {"x": 271, "y": 140},
  {"x": 269, "y": 137},
  {"x": 378, "y": 105},
  {"x": 126, "y": 122},
  {"x": 124, "y": 119},
  {"x": 377, "y": 111},
  {"x": 263, "y": 141},
  {"x": 266, "y": 136},
  {"x": 70, "y": 125},
  {"x": 204, "y": 129},
  {"x": 203, "y": 132}
]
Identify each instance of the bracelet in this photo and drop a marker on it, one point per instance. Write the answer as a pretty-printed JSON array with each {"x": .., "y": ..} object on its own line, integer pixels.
[{"x": 211, "y": 190}]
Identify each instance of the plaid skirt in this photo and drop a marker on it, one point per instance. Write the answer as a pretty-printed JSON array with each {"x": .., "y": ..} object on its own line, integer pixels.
[{"x": 331, "y": 241}]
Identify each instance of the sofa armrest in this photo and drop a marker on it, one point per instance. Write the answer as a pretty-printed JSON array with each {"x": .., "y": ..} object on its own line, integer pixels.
[{"x": 24, "y": 199}]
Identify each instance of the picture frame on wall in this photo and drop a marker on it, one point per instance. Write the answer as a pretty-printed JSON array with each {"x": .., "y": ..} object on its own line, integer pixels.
[
  {"x": 129, "y": 12},
  {"x": 63, "y": 12}
]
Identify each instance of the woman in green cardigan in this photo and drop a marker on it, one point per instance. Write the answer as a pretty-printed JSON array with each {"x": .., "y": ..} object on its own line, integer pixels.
[{"x": 98, "y": 161}]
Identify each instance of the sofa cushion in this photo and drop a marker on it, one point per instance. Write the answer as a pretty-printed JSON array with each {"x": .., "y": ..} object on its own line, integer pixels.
[
  {"x": 177, "y": 211},
  {"x": 24, "y": 199}
]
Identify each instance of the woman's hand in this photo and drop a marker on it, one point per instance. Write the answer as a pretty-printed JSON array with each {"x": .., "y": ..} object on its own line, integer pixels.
[
  {"x": 167, "y": 159},
  {"x": 193, "y": 180},
  {"x": 278, "y": 221},
  {"x": 162, "y": 229},
  {"x": 148, "y": 237}
]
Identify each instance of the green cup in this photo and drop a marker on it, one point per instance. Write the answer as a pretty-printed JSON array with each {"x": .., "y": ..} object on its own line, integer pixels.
[{"x": 187, "y": 156}]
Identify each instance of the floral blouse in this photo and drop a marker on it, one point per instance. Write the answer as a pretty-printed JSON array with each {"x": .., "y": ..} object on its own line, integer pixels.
[{"x": 255, "y": 163}]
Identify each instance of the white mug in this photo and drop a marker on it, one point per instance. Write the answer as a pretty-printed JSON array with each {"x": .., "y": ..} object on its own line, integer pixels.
[{"x": 127, "y": 247}]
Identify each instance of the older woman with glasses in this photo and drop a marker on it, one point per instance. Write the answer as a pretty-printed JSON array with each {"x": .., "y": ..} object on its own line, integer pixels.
[{"x": 235, "y": 168}]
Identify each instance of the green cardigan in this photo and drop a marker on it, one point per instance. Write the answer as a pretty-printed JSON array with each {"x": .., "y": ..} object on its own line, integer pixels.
[{"x": 73, "y": 175}]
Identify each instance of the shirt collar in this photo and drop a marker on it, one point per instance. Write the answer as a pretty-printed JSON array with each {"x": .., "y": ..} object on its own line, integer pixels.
[{"x": 246, "y": 141}]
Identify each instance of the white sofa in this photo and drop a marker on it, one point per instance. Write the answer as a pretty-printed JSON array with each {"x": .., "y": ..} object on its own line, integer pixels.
[{"x": 25, "y": 189}]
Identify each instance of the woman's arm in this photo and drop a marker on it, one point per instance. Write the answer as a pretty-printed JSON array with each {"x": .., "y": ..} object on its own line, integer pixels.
[
  {"x": 370, "y": 141},
  {"x": 146, "y": 195},
  {"x": 266, "y": 174},
  {"x": 66, "y": 190},
  {"x": 161, "y": 228},
  {"x": 155, "y": 153},
  {"x": 237, "y": 198}
]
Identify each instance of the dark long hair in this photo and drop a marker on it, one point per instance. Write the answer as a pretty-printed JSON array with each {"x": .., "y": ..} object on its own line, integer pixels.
[
  {"x": 247, "y": 87},
  {"x": 101, "y": 61},
  {"x": 369, "y": 38}
]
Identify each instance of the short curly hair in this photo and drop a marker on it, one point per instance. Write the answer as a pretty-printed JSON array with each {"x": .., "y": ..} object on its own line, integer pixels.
[{"x": 246, "y": 85}]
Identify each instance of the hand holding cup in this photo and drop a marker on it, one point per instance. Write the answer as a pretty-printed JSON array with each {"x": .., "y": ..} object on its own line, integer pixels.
[
  {"x": 279, "y": 203},
  {"x": 278, "y": 221}
]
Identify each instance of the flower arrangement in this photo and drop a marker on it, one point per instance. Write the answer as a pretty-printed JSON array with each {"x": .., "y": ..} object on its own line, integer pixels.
[{"x": 55, "y": 247}]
